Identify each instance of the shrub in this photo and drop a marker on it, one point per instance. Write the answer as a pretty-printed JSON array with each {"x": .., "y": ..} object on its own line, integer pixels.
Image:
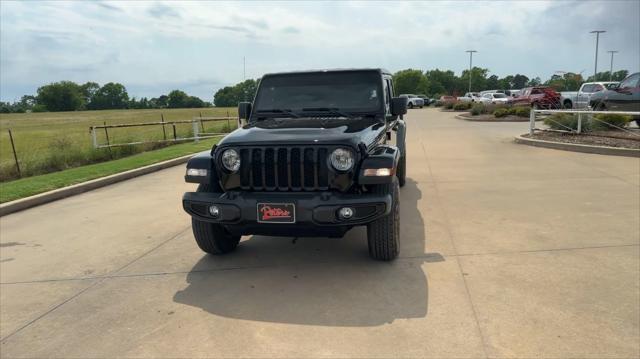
[
  {"x": 565, "y": 122},
  {"x": 461, "y": 106},
  {"x": 521, "y": 111},
  {"x": 448, "y": 105},
  {"x": 501, "y": 112},
  {"x": 478, "y": 109},
  {"x": 438, "y": 103},
  {"x": 598, "y": 123}
]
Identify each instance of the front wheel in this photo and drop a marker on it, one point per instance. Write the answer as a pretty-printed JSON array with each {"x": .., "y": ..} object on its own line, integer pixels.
[
  {"x": 401, "y": 171},
  {"x": 383, "y": 234},
  {"x": 212, "y": 238},
  {"x": 410, "y": 105}
]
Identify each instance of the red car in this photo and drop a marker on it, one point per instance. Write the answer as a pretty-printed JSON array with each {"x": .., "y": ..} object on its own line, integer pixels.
[
  {"x": 538, "y": 97},
  {"x": 445, "y": 99}
]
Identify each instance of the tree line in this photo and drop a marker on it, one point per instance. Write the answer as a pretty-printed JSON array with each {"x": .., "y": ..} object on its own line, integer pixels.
[
  {"x": 70, "y": 96},
  {"x": 435, "y": 83}
]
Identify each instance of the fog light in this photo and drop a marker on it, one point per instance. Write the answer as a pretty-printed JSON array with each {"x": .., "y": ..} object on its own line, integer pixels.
[
  {"x": 214, "y": 211},
  {"x": 345, "y": 212}
]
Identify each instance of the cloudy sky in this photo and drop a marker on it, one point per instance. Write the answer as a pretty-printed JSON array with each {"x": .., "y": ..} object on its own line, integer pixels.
[{"x": 154, "y": 47}]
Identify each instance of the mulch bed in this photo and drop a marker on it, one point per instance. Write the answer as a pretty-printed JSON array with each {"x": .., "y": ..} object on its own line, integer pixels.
[
  {"x": 619, "y": 139},
  {"x": 491, "y": 118}
]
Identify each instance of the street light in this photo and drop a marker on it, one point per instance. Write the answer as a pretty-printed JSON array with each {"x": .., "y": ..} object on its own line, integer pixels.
[
  {"x": 470, "y": 64},
  {"x": 611, "y": 68},
  {"x": 597, "y": 32}
]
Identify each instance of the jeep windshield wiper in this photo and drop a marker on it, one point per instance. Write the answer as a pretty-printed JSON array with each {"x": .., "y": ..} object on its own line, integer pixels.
[
  {"x": 278, "y": 111},
  {"x": 332, "y": 110}
]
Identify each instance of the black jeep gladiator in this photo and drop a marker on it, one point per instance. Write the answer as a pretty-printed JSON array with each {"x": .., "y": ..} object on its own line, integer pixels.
[{"x": 315, "y": 154}]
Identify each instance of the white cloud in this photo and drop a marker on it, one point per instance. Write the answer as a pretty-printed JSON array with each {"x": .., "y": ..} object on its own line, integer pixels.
[{"x": 153, "y": 47}]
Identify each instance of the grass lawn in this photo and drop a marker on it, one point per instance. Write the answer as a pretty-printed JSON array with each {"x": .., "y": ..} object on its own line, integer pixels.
[
  {"x": 25, "y": 187},
  {"x": 51, "y": 141}
]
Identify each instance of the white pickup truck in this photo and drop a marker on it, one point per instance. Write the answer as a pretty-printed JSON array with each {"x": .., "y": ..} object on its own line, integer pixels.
[{"x": 580, "y": 99}]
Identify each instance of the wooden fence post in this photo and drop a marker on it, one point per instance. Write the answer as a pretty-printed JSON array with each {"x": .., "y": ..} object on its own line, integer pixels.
[
  {"x": 15, "y": 155},
  {"x": 201, "y": 123},
  {"x": 106, "y": 134},
  {"x": 228, "y": 124},
  {"x": 164, "y": 132},
  {"x": 175, "y": 137}
]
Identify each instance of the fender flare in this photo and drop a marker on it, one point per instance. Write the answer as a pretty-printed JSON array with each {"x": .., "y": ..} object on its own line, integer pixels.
[
  {"x": 204, "y": 161},
  {"x": 401, "y": 134}
]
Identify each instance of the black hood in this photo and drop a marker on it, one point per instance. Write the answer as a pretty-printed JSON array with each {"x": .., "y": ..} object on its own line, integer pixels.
[{"x": 307, "y": 130}]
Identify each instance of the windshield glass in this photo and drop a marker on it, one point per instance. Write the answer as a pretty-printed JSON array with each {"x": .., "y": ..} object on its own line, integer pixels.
[
  {"x": 346, "y": 91},
  {"x": 499, "y": 95}
]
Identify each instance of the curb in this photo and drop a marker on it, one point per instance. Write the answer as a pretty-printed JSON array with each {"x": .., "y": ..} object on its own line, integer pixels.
[
  {"x": 56, "y": 194},
  {"x": 461, "y": 117},
  {"x": 574, "y": 147}
]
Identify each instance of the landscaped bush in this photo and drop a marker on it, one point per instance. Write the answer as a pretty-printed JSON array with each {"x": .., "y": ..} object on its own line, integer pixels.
[
  {"x": 449, "y": 105},
  {"x": 565, "y": 122},
  {"x": 614, "y": 119},
  {"x": 461, "y": 106},
  {"x": 438, "y": 103},
  {"x": 478, "y": 109},
  {"x": 501, "y": 112},
  {"x": 521, "y": 111}
]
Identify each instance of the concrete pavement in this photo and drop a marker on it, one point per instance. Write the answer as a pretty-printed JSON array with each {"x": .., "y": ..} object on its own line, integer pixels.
[{"x": 507, "y": 251}]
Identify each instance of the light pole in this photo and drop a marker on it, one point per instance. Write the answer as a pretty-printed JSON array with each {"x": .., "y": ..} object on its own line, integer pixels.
[
  {"x": 597, "y": 32},
  {"x": 470, "y": 65},
  {"x": 611, "y": 67}
]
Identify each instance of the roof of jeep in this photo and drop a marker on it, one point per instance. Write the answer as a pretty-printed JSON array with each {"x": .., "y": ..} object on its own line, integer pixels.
[{"x": 383, "y": 71}]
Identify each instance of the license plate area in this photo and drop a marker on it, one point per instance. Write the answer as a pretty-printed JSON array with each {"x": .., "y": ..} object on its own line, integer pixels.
[{"x": 276, "y": 213}]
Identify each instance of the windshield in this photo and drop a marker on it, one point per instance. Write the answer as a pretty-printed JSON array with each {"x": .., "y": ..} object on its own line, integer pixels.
[
  {"x": 499, "y": 95},
  {"x": 346, "y": 91}
]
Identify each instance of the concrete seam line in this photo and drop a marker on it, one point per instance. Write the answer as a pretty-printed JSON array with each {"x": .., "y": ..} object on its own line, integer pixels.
[
  {"x": 576, "y": 147},
  {"x": 60, "y": 193}
]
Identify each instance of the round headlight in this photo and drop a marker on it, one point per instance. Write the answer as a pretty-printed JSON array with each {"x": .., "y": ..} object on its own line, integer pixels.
[
  {"x": 231, "y": 160},
  {"x": 342, "y": 159}
]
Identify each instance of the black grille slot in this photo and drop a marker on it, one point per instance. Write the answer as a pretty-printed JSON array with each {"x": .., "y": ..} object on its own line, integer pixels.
[
  {"x": 294, "y": 166},
  {"x": 269, "y": 169},
  {"x": 284, "y": 169}
]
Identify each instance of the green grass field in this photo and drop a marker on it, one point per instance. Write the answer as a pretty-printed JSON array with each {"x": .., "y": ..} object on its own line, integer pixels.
[
  {"x": 25, "y": 187},
  {"x": 54, "y": 141}
]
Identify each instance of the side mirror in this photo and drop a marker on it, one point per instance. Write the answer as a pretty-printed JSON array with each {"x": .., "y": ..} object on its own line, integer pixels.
[
  {"x": 244, "y": 110},
  {"x": 614, "y": 86},
  {"x": 399, "y": 106}
]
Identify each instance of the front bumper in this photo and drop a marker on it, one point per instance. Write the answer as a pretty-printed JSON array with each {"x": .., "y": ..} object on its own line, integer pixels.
[{"x": 312, "y": 209}]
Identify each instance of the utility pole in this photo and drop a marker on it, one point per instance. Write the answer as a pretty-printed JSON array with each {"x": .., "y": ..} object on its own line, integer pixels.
[
  {"x": 244, "y": 68},
  {"x": 470, "y": 65},
  {"x": 611, "y": 67},
  {"x": 595, "y": 69}
]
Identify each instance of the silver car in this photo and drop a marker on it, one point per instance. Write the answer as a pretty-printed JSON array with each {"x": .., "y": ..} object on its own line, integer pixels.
[{"x": 413, "y": 100}]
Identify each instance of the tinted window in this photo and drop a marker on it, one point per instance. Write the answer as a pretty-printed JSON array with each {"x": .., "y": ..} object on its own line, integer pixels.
[
  {"x": 587, "y": 88},
  {"x": 499, "y": 95},
  {"x": 631, "y": 81},
  {"x": 354, "y": 91},
  {"x": 535, "y": 92}
]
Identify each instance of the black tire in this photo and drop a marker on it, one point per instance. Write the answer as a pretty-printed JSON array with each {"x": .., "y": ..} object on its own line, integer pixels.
[
  {"x": 212, "y": 238},
  {"x": 568, "y": 105},
  {"x": 383, "y": 234},
  {"x": 401, "y": 171},
  {"x": 638, "y": 122},
  {"x": 409, "y": 105}
]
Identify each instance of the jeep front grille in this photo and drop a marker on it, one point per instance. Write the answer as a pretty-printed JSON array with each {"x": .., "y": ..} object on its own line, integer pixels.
[{"x": 284, "y": 168}]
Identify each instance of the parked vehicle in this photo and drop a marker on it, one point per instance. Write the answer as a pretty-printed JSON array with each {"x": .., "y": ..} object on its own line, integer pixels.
[
  {"x": 494, "y": 98},
  {"x": 622, "y": 97},
  {"x": 512, "y": 93},
  {"x": 427, "y": 100},
  {"x": 446, "y": 98},
  {"x": 312, "y": 157},
  {"x": 470, "y": 97},
  {"x": 413, "y": 100},
  {"x": 580, "y": 99},
  {"x": 538, "y": 97}
]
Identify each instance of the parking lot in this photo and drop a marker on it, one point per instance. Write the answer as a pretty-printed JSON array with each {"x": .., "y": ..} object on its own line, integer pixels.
[{"x": 506, "y": 251}]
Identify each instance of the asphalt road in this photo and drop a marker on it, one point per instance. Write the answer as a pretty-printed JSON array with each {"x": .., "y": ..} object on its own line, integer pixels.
[{"x": 507, "y": 251}]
